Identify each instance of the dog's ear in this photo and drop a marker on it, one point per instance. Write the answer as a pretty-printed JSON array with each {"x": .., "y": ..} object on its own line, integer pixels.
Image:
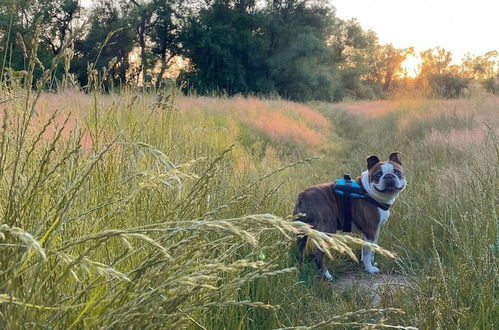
[
  {"x": 371, "y": 161},
  {"x": 395, "y": 157}
]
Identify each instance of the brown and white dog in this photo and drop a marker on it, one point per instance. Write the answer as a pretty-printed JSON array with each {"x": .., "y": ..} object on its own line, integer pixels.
[{"x": 383, "y": 181}]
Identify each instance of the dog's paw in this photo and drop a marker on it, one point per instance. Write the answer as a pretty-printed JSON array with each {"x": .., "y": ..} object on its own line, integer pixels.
[
  {"x": 372, "y": 270},
  {"x": 327, "y": 276}
]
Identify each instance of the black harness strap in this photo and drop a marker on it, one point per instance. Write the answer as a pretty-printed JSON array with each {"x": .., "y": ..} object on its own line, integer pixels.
[
  {"x": 345, "y": 193},
  {"x": 371, "y": 200},
  {"x": 346, "y": 206}
]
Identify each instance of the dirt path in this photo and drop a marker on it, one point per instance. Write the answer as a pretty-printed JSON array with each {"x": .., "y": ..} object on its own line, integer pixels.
[{"x": 377, "y": 286}]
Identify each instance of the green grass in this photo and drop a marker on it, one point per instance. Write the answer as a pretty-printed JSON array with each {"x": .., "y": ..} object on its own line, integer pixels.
[{"x": 140, "y": 212}]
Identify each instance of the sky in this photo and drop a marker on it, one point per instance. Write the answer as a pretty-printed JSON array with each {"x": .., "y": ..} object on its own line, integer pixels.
[{"x": 461, "y": 26}]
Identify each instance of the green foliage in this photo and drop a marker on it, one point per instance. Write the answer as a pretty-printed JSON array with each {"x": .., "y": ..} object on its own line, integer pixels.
[
  {"x": 165, "y": 33},
  {"x": 351, "y": 47},
  {"x": 443, "y": 79},
  {"x": 301, "y": 63},
  {"x": 491, "y": 85},
  {"x": 225, "y": 50},
  {"x": 19, "y": 20},
  {"x": 107, "y": 45},
  {"x": 447, "y": 85},
  {"x": 298, "y": 49},
  {"x": 283, "y": 48}
]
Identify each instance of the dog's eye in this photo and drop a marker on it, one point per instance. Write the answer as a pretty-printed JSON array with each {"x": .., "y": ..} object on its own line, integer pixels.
[
  {"x": 377, "y": 176},
  {"x": 397, "y": 173}
]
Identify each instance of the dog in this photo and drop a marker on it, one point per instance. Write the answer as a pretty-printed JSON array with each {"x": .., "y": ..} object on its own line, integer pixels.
[{"x": 323, "y": 208}]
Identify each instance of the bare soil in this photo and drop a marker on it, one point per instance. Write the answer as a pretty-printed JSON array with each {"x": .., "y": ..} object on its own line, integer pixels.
[{"x": 376, "y": 285}]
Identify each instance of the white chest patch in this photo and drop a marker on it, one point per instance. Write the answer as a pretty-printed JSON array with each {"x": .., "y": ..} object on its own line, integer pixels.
[{"x": 383, "y": 216}]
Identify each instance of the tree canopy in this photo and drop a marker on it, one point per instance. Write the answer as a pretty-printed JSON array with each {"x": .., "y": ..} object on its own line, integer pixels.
[{"x": 298, "y": 49}]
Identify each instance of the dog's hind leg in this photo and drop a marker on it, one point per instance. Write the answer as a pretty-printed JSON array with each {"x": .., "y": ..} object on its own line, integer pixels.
[
  {"x": 301, "y": 243},
  {"x": 319, "y": 261}
]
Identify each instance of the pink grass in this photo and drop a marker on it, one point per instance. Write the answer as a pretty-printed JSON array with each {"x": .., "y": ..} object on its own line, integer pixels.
[{"x": 282, "y": 121}]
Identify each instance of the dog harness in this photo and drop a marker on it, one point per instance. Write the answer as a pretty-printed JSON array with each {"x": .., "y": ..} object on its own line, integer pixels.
[{"x": 346, "y": 189}]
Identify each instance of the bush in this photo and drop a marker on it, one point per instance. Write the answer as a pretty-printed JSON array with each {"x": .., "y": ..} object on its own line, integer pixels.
[
  {"x": 448, "y": 85},
  {"x": 491, "y": 85}
]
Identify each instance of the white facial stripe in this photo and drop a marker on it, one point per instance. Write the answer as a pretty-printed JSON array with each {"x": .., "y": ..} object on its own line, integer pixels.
[{"x": 387, "y": 168}]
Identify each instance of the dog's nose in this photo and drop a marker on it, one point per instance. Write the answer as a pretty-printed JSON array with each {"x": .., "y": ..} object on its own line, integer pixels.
[{"x": 389, "y": 176}]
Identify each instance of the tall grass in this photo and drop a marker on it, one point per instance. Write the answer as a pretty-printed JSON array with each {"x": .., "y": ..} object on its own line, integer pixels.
[
  {"x": 124, "y": 211},
  {"x": 158, "y": 211},
  {"x": 445, "y": 228}
]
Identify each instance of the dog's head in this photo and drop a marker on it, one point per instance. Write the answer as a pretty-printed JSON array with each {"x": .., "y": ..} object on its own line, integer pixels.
[{"x": 386, "y": 178}]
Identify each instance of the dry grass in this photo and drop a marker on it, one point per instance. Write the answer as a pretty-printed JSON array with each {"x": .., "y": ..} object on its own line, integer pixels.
[
  {"x": 377, "y": 108},
  {"x": 281, "y": 121}
]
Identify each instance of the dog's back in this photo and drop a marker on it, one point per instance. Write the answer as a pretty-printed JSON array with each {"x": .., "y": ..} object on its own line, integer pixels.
[{"x": 320, "y": 207}]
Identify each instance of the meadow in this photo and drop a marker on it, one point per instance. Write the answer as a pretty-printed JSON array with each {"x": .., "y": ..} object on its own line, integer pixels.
[{"x": 145, "y": 210}]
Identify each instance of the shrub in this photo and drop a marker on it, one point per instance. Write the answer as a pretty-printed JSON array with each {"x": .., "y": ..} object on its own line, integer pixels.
[{"x": 447, "y": 85}]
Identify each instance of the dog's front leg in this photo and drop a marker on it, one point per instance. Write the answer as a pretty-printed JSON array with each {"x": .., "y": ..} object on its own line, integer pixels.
[
  {"x": 368, "y": 253},
  {"x": 368, "y": 257}
]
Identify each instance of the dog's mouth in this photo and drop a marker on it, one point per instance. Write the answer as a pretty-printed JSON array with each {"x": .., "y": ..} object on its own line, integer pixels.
[{"x": 388, "y": 189}]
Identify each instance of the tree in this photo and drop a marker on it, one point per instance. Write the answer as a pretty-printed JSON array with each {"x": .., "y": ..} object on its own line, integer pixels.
[
  {"x": 107, "y": 44},
  {"x": 165, "y": 34},
  {"x": 443, "y": 79},
  {"x": 435, "y": 61},
  {"x": 480, "y": 67},
  {"x": 385, "y": 63},
  {"x": 300, "y": 63},
  {"x": 225, "y": 48},
  {"x": 55, "y": 20},
  {"x": 59, "y": 16},
  {"x": 240, "y": 47},
  {"x": 448, "y": 85},
  {"x": 352, "y": 48},
  {"x": 141, "y": 20}
]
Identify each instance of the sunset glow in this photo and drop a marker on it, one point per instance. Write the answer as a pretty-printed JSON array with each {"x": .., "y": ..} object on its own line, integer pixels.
[
  {"x": 457, "y": 25},
  {"x": 411, "y": 66}
]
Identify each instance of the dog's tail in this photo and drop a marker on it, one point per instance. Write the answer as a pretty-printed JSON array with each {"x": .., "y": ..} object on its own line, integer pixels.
[
  {"x": 300, "y": 208},
  {"x": 297, "y": 208}
]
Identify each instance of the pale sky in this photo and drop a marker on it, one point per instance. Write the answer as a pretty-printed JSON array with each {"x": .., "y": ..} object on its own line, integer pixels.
[{"x": 460, "y": 26}]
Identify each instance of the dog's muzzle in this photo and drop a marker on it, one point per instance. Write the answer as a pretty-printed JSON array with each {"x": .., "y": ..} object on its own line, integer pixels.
[{"x": 389, "y": 183}]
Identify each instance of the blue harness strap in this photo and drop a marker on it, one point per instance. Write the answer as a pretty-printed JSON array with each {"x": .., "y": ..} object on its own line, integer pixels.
[{"x": 346, "y": 189}]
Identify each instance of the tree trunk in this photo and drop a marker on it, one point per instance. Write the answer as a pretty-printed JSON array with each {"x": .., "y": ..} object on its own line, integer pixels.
[
  {"x": 163, "y": 69},
  {"x": 142, "y": 43},
  {"x": 388, "y": 80}
]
